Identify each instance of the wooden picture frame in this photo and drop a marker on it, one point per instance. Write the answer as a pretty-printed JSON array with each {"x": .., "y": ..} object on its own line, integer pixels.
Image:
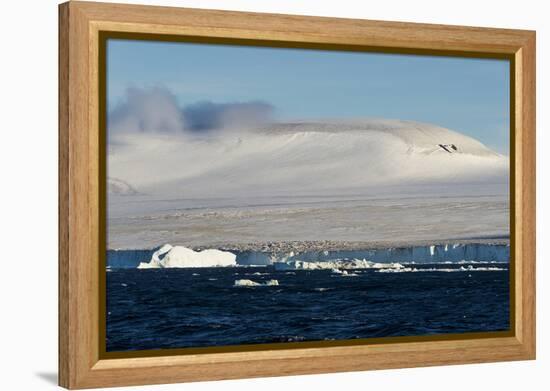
[{"x": 82, "y": 160}]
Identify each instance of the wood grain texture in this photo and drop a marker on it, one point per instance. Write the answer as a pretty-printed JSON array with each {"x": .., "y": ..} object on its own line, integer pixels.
[
  {"x": 63, "y": 221},
  {"x": 527, "y": 187},
  {"x": 80, "y": 365}
]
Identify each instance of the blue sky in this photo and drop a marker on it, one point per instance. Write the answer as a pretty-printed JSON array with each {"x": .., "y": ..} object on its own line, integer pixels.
[{"x": 467, "y": 95}]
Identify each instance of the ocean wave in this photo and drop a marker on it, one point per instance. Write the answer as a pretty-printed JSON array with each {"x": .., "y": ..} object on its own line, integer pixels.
[
  {"x": 322, "y": 289},
  {"x": 344, "y": 273}
]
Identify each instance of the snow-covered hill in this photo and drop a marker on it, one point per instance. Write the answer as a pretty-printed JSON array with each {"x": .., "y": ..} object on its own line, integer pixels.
[{"x": 304, "y": 158}]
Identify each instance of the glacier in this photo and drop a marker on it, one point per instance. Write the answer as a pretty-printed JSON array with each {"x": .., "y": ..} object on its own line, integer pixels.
[
  {"x": 370, "y": 180},
  {"x": 440, "y": 253}
]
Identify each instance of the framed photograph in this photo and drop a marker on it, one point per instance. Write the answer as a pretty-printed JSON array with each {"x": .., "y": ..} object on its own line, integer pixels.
[{"x": 247, "y": 195}]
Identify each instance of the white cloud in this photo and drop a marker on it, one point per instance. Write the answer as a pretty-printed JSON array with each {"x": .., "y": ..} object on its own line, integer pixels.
[{"x": 156, "y": 110}]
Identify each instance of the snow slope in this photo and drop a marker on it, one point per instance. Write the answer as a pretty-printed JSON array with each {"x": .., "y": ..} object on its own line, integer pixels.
[
  {"x": 304, "y": 158},
  {"x": 362, "y": 180}
]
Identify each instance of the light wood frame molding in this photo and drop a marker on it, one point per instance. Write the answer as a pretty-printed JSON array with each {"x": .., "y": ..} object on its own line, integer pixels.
[{"x": 81, "y": 364}]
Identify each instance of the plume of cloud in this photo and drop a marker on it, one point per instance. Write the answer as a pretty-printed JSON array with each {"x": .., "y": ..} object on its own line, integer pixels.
[
  {"x": 147, "y": 110},
  {"x": 156, "y": 110},
  {"x": 207, "y": 115}
]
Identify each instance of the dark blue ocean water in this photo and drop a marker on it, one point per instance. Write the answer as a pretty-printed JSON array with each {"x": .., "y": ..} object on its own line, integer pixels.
[{"x": 177, "y": 308}]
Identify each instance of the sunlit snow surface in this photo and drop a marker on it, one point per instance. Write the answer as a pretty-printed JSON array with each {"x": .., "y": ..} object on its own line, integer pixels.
[{"x": 370, "y": 180}]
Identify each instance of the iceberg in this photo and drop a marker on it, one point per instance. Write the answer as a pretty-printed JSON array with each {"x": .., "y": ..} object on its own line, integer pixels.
[{"x": 169, "y": 256}]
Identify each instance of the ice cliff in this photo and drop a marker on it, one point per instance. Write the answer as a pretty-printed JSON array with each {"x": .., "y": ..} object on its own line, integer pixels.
[{"x": 168, "y": 256}]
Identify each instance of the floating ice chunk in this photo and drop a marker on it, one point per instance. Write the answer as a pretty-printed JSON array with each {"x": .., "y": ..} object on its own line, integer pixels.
[
  {"x": 344, "y": 273},
  {"x": 444, "y": 270},
  {"x": 336, "y": 266},
  {"x": 349, "y": 274},
  {"x": 400, "y": 270},
  {"x": 245, "y": 282},
  {"x": 180, "y": 257},
  {"x": 481, "y": 269}
]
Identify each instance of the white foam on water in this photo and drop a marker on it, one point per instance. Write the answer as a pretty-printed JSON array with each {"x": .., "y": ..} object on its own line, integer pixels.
[{"x": 347, "y": 274}]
